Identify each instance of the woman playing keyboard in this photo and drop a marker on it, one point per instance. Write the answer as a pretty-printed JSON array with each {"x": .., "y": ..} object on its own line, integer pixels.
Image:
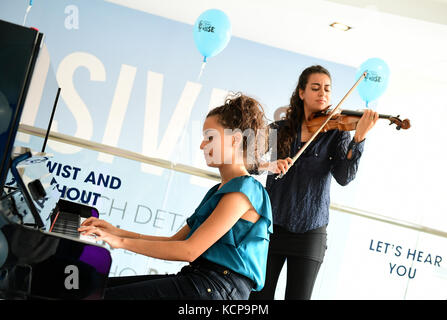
[{"x": 226, "y": 239}]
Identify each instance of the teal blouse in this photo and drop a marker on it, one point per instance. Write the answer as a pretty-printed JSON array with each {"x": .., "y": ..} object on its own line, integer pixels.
[{"x": 244, "y": 247}]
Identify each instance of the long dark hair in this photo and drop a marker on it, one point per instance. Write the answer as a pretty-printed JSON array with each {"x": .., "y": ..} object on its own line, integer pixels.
[
  {"x": 295, "y": 112},
  {"x": 240, "y": 112}
]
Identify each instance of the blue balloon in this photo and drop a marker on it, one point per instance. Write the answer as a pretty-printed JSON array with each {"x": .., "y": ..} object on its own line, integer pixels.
[
  {"x": 376, "y": 80},
  {"x": 212, "y": 32}
]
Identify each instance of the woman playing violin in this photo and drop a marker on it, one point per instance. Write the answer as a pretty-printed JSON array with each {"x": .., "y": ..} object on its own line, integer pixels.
[{"x": 301, "y": 198}]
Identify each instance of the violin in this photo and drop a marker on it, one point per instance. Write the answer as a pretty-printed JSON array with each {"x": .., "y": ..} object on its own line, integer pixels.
[{"x": 347, "y": 120}]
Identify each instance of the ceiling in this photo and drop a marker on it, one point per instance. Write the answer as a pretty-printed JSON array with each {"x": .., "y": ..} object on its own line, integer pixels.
[
  {"x": 409, "y": 35},
  {"x": 428, "y": 10}
]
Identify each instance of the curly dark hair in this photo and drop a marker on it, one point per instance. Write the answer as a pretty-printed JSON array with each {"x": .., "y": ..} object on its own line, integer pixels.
[
  {"x": 240, "y": 112},
  {"x": 295, "y": 112}
]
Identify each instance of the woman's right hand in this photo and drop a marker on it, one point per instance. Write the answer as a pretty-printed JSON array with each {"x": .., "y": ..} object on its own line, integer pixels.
[
  {"x": 100, "y": 224},
  {"x": 280, "y": 165}
]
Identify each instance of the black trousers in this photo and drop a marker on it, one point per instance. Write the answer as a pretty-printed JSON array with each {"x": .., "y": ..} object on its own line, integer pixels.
[
  {"x": 200, "y": 280},
  {"x": 304, "y": 253}
]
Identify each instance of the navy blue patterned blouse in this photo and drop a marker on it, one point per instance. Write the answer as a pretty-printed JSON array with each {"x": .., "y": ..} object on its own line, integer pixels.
[{"x": 300, "y": 199}]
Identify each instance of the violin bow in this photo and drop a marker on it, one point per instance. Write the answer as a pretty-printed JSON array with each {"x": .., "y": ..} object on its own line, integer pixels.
[{"x": 300, "y": 152}]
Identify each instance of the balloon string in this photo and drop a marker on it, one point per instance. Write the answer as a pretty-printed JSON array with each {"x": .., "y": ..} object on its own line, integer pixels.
[
  {"x": 201, "y": 69},
  {"x": 26, "y": 13}
]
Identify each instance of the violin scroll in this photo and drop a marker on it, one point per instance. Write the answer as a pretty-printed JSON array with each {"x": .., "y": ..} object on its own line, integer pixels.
[{"x": 400, "y": 124}]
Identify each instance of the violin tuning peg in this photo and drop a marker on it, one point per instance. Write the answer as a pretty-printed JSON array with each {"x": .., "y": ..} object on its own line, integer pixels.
[{"x": 398, "y": 127}]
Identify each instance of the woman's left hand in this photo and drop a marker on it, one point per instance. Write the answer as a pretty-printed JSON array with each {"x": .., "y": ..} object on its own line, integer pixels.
[
  {"x": 366, "y": 123},
  {"x": 99, "y": 234}
]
